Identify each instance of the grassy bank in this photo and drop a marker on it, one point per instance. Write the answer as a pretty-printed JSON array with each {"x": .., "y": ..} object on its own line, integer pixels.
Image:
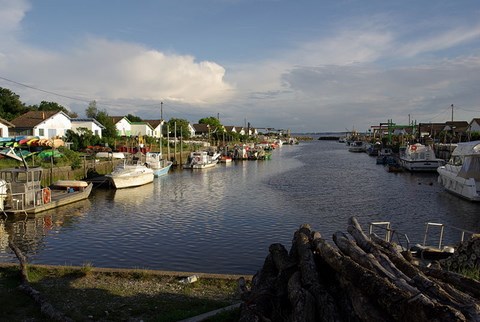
[{"x": 93, "y": 294}]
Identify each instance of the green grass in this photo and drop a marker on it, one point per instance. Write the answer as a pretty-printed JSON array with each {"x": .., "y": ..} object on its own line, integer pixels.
[{"x": 85, "y": 293}]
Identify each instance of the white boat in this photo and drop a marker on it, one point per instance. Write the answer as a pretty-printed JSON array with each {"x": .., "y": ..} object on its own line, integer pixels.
[
  {"x": 21, "y": 191},
  {"x": 155, "y": 162},
  {"x": 357, "y": 146},
  {"x": 127, "y": 175},
  {"x": 110, "y": 155},
  {"x": 201, "y": 160},
  {"x": 418, "y": 157},
  {"x": 461, "y": 175}
]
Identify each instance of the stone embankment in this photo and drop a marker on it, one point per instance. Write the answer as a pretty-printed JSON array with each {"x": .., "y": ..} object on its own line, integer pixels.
[{"x": 361, "y": 278}]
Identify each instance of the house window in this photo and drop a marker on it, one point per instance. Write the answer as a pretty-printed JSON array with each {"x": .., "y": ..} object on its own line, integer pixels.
[
  {"x": 96, "y": 132},
  {"x": 41, "y": 132}
]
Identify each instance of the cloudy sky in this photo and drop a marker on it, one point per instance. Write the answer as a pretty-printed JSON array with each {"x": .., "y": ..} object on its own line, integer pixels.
[{"x": 304, "y": 65}]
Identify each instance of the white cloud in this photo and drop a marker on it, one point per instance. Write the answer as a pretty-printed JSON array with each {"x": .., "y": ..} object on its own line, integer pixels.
[
  {"x": 107, "y": 70},
  {"x": 11, "y": 14},
  {"x": 445, "y": 40}
]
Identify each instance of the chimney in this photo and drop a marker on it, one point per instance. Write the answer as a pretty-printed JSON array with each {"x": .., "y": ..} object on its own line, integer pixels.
[{"x": 43, "y": 115}]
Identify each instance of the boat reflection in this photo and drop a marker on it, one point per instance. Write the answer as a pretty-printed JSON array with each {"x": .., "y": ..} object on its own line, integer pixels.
[
  {"x": 29, "y": 231},
  {"x": 136, "y": 195}
]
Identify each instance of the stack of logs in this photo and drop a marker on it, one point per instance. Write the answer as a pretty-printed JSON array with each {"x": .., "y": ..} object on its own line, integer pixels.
[
  {"x": 363, "y": 278},
  {"x": 466, "y": 256}
]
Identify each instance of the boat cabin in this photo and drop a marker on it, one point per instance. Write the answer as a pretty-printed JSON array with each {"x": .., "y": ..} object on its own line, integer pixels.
[{"x": 20, "y": 188}]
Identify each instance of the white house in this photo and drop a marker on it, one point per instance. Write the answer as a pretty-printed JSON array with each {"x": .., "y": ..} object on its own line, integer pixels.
[
  {"x": 44, "y": 124},
  {"x": 474, "y": 125},
  {"x": 89, "y": 124},
  {"x": 141, "y": 129},
  {"x": 4, "y": 126},
  {"x": 156, "y": 127},
  {"x": 123, "y": 125}
]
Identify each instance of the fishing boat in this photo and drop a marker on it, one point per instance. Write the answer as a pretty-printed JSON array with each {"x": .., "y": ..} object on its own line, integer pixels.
[
  {"x": 21, "y": 191},
  {"x": 202, "y": 160},
  {"x": 127, "y": 175},
  {"x": 461, "y": 174},
  {"x": 418, "y": 157},
  {"x": 155, "y": 162}
]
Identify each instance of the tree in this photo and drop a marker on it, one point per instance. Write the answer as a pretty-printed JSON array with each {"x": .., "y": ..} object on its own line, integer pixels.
[
  {"x": 216, "y": 128},
  {"x": 92, "y": 110},
  {"x": 10, "y": 105},
  {"x": 110, "y": 130},
  {"x": 181, "y": 125},
  {"x": 133, "y": 118},
  {"x": 82, "y": 139},
  {"x": 214, "y": 123},
  {"x": 52, "y": 106}
]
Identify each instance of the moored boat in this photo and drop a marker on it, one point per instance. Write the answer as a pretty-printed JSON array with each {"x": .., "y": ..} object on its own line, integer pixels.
[
  {"x": 418, "y": 157},
  {"x": 127, "y": 175},
  {"x": 225, "y": 159},
  {"x": 202, "y": 160},
  {"x": 461, "y": 174},
  {"x": 159, "y": 166},
  {"x": 21, "y": 191},
  {"x": 357, "y": 146}
]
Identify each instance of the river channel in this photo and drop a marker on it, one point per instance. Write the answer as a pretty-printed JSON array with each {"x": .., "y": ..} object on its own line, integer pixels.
[{"x": 223, "y": 219}]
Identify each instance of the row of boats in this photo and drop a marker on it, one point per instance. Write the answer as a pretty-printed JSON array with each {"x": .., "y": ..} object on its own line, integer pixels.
[
  {"x": 21, "y": 190},
  {"x": 460, "y": 175}
]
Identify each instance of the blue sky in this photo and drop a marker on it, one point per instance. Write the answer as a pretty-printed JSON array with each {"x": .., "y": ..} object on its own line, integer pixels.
[{"x": 306, "y": 65}]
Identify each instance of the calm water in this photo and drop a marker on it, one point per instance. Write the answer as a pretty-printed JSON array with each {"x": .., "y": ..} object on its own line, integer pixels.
[{"x": 222, "y": 220}]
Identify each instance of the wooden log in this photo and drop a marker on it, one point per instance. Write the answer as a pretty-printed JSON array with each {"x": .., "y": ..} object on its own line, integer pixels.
[
  {"x": 433, "y": 289},
  {"x": 260, "y": 304},
  {"x": 281, "y": 259},
  {"x": 303, "y": 229},
  {"x": 325, "y": 304},
  {"x": 22, "y": 259},
  {"x": 460, "y": 282},
  {"x": 397, "y": 303},
  {"x": 301, "y": 300},
  {"x": 370, "y": 262}
]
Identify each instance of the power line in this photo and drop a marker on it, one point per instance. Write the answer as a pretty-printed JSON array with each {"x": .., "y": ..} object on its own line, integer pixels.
[{"x": 42, "y": 90}]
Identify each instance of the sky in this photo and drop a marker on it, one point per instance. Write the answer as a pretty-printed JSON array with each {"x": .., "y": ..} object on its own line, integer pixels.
[{"x": 304, "y": 66}]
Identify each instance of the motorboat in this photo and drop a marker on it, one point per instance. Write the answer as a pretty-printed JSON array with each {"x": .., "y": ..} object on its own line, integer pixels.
[
  {"x": 155, "y": 162},
  {"x": 127, "y": 175},
  {"x": 21, "y": 191},
  {"x": 461, "y": 174},
  {"x": 357, "y": 146},
  {"x": 418, "y": 157},
  {"x": 202, "y": 160}
]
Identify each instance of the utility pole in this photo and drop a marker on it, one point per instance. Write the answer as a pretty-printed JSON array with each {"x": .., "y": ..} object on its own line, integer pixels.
[
  {"x": 452, "y": 112},
  {"x": 161, "y": 110}
]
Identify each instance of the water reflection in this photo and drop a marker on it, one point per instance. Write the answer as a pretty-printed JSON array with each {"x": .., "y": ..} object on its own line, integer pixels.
[
  {"x": 29, "y": 232},
  {"x": 223, "y": 219}
]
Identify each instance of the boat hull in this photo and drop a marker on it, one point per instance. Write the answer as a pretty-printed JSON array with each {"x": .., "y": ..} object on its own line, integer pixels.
[
  {"x": 465, "y": 188},
  {"x": 59, "y": 198},
  {"x": 201, "y": 165},
  {"x": 131, "y": 181},
  {"x": 421, "y": 166},
  {"x": 162, "y": 171}
]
